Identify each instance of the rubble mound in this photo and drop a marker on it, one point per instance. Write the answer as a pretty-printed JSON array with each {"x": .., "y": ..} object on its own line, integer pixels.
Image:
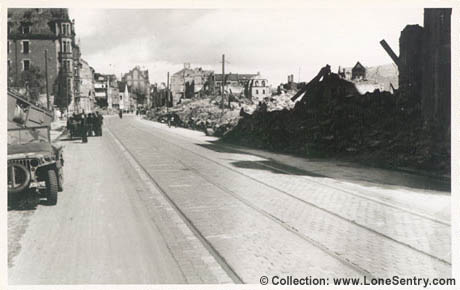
[
  {"x": 204, "y": 114},
  {"x": 332, "y": 119}
]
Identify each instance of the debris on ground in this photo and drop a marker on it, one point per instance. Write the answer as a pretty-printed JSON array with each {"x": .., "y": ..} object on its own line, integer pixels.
[{"x": 332, "y": 119}]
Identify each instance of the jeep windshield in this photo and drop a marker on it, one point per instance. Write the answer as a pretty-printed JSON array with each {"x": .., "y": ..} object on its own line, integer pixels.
[{"x": 20, "y": 136}]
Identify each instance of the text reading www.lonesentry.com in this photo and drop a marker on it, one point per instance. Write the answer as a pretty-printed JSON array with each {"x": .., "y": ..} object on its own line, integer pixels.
[{"x": 391, "y": 281}]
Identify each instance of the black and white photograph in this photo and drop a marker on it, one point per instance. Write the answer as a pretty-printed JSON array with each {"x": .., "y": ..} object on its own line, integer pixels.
[{"x": 197, "y": 143}]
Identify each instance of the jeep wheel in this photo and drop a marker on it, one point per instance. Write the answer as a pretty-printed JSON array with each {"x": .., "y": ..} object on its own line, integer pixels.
[
  {"x": 51, "y": 187},
  {"x": 61, "y": 179}
]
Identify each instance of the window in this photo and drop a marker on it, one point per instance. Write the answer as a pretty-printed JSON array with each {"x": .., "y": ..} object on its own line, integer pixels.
[
  {"x": 69, "y": 86},
  {"x": 25, "y": 29},
  {"x": 263, "y": 83},
  {"x": 263, "y": 92},
  {"x": 257, "y": 92},
  {"x": 25, "y": 47},
  {"x": 65, "y": 28},
  {"x": 257, "y": 83},
  {"x": 66, "y": 46},
  {"x": 26, "y": 64},
  {"x": 67, "y": 65}
]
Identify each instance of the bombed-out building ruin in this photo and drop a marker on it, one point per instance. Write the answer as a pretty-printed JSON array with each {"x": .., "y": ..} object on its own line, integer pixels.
[{"x": 424, "y": 65}]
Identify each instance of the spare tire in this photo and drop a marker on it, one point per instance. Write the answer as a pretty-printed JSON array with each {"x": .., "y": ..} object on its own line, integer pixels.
[{"x": 18, "y": 177}]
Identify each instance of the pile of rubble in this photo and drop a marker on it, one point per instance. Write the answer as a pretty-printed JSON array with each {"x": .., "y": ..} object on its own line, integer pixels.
[
  {"x": 204, "y": 114},
  {"x": 332, "y": 119}
]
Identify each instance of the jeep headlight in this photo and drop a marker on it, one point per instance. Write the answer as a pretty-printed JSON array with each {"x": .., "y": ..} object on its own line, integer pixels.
[{"x": 34, "y": 162}]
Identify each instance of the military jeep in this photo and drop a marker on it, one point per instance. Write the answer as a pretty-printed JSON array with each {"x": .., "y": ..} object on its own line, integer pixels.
[{"x": 34, "y": 163}]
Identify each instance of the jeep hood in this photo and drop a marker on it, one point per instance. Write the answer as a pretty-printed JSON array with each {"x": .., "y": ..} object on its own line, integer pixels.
[{"x": 30, "y": 148}]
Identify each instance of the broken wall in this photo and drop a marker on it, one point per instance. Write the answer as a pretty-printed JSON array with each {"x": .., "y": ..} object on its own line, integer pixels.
[{"x": 436, "y": 90}]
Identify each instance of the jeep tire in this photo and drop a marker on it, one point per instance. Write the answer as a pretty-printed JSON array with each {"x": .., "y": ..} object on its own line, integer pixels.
[
  {"x": 51, "y": 187},
  {"x": 60, "y": 179}
]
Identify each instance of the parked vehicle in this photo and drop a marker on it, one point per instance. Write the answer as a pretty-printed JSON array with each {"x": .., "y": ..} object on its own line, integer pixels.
[{"x": 34, "y": 163}]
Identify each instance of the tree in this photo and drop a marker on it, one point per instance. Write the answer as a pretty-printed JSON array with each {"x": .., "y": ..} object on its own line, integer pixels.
[{"x": 32, "y": 80}]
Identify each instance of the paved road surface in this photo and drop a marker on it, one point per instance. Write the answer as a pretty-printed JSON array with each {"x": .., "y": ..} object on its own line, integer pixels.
[{"x": 151, "y": 204}]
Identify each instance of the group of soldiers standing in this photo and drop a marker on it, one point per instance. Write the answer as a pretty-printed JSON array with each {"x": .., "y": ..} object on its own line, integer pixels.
[{"x": 85, "y": 125}]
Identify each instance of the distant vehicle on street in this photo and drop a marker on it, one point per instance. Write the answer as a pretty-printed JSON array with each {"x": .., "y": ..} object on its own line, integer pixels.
[{"x": 172, "y": 119}]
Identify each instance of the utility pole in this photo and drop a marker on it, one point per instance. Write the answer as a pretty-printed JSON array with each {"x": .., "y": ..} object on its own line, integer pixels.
[
  {"x": 167, "y": 93},
  {"x": 223, "y": 82},
  {"x": 46, "y": 80}
]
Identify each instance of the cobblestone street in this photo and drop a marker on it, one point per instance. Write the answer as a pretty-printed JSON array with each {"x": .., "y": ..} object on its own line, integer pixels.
[{"x": 207, "y": 212}]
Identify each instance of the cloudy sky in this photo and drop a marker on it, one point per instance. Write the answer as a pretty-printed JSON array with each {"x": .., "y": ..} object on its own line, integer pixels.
[{"x": 275, "y": 42}]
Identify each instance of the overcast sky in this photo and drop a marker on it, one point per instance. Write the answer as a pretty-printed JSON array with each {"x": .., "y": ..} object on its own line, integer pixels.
[{"x": 274, "y": 42}]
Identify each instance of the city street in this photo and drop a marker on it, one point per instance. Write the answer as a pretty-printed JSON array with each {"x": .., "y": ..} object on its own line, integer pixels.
[{"x": 147, "y": 204}]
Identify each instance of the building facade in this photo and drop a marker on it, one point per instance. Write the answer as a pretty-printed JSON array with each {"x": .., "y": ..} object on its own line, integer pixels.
[
  {"x": 87, "y": 93},
  {"x": 160, "y": 96},
  {"x": 259, "y": 88},
  {"x": 235, "y": 84},
  {"x": 31, "y": 32},
  {"x": 188, "y": 82},
  {"x": 138, "y": 80}
]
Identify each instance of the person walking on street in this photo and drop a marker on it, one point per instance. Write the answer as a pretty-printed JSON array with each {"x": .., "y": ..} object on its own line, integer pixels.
[
  {"x": 120, "y": 114},
  {"x": 90, "y": 124},
  {"x": 84, "y": 127},
  {"x": 99, "y": 120}
]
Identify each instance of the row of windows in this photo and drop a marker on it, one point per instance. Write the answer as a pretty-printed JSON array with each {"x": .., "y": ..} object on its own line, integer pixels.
[
  {"x": 27, "y": 28},
  {"x": 25, "y": 46},
  {"x": 25, "y": 64},
  {"x": 263, "y": 92},
  {"x": 256, "y": 83}
]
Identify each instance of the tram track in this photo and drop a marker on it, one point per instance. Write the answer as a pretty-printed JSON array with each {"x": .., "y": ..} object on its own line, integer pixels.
[
  {"x": 441, "y": 222},
  {"x": 274, "y": 218},
  {"x": 221, "y": 260}
]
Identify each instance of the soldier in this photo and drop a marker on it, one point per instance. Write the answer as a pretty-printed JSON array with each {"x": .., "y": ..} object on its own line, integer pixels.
[
  {"x": 69, "y": 126},
  {"x": 84, "y": 127},
  {"x": 90, "y": 124},
  {"x": 99, "y": 120}
]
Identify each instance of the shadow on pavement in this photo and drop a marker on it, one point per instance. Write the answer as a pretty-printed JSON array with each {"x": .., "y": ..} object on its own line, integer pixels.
[
  {"x": 274, "y": 167},
  {"x": 27, "y": 201},
  {"x": 362, "y": 176}
]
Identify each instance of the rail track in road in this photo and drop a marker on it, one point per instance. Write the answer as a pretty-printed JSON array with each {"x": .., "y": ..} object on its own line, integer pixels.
[{"x": 274, "y": 218}]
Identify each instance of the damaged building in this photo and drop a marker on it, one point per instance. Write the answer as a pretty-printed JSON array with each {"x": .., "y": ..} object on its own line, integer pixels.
[
  {"x": 408, "y": 128},
  {"x": 188, "y": 82},
  {"x": 424, "y": 66},
  {"x": 368, "y": 79}
]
